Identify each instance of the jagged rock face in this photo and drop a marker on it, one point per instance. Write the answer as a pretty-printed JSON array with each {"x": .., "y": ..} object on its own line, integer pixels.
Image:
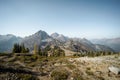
[
  {"x": 59, "y": 37},
  {"x": 85, "y": 45},
  {"x": 78, "y": 44},
  {"x": 39, "y": 38}
]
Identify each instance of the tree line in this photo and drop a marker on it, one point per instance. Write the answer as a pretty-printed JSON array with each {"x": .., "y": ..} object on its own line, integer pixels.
[
  {"x": 55, "y": 51},
  {"x": 48, "y": 51},
  {"x": 17, "y": 48}
]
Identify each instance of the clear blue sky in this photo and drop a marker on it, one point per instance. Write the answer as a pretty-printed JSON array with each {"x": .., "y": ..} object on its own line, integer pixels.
[{"x": 73, "y": 18}]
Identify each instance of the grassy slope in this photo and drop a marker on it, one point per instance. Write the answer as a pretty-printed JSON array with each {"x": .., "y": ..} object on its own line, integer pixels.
[{"x": 78, "y": 68}]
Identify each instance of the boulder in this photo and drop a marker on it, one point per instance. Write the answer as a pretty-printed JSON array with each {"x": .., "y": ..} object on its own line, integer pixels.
[{"x": 114, "y": 70}]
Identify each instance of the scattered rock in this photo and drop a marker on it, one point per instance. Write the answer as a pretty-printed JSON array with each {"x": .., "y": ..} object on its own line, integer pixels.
[{"x": 115, "y": 70}]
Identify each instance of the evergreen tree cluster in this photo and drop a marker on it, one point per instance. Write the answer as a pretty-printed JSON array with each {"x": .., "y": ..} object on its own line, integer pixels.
[
  {"x": 43, "y": 52},
  {"x": 48, "y": 51},
  {"x": 57, "y": 51},
  {"x": 20, "y": 48}
]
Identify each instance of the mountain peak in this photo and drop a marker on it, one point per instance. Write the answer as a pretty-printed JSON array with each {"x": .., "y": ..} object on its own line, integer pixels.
[
  {"x": 59, "y": 37},
  {"x": 54, "y": 35},
  {"x": 40, "y": 31}
]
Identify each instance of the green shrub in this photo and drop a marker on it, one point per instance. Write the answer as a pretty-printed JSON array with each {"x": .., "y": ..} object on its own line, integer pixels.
[
  {"x": 18, "y": 76},
  {"x": 78, "y": 78},
  {"x": 77, "y": 55},
  {"x": 77, "y": 75},
  {"x": 29, "y": 58},
  {"x": 70, "y": 66},
  {"x": 26, "y": 77},
  {"x": 34, "y": 58},
  {"x": 89, "y": 72},
  {"x": 88, "y": 68},
  {"x": 59, "y": 75}
]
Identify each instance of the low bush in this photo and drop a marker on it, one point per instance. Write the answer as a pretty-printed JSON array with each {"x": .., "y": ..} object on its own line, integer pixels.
[
  {"x": 59, "y": 75},
  {"x": 77, "y": 55},
  {"x": 77, "y": 75},
  {"x": 89, "y": 72},
  {"x": 27, "y": 77}
]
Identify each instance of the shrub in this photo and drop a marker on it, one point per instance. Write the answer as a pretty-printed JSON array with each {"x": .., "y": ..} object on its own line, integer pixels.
[
  {"x": 18, "y": 76},
  {"x": 89, "y": 72},
  {"x": 88, "y": 68},
  {"x": 59, "y": 75},
  {"x": 34, "y": 58},
  {"x": 28, "y": 77},
  {"x": 70, "y": 66},
  {"x": 77, "y": 75},
  {"x": 77, "y": 55},
  {"x": 29, "y": 58},
  {"x": 78, "y": 78}
]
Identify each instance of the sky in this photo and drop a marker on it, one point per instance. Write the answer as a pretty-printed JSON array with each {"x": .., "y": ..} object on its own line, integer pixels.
[{"x": 74, "y": 18}]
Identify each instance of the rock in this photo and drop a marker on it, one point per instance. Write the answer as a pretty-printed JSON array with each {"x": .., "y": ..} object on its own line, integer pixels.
[{"x": 115, "y": 70}]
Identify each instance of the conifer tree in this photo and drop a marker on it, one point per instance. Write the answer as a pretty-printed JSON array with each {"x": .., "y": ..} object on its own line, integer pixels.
[
  {"x": 23, "y": 48},
  {"x": 19, "y": 48},
  {"x": 39, "y": 51}
]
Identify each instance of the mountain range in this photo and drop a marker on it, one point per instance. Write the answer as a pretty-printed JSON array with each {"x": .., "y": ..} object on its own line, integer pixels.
[
  {"x": 42, "y": 39},
  {"x": 7, "y": 42},
  {"x": 113, "y": 43}
]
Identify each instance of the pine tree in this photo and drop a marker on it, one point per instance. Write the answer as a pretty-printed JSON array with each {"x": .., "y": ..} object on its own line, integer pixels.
[
  {"x": 39, "y": 51},
  {"x": 14, "y": 48},
  {"x": 19, "y": 48},
  {"x": 23, "y": 48}
]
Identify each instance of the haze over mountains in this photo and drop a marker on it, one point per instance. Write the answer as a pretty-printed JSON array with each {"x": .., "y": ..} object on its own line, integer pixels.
[
  {"x": 42, "y": 39},
  {"x": 7, "y": 42},
  {"x": 114, "y": 43}
]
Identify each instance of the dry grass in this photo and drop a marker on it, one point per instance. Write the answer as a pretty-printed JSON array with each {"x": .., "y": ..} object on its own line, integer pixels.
[{"x": 73, "y": 68}]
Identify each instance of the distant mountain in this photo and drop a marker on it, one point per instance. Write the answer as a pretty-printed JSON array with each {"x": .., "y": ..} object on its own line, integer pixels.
[
  {"x": 82, "y": 44},
  {"x": 76, "y": 44},
  {"x": 39, "y": 38},
  {"x": 85, "y": 45},
  {"x": 102, "y": 48},
  {"x": 7, "y": 42},
  {"x": 59, "y": 37},
  {"x": 112, "y": 43},
  {"x": 42, "y": 39},
  {"x": 55, "y": 35}
]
